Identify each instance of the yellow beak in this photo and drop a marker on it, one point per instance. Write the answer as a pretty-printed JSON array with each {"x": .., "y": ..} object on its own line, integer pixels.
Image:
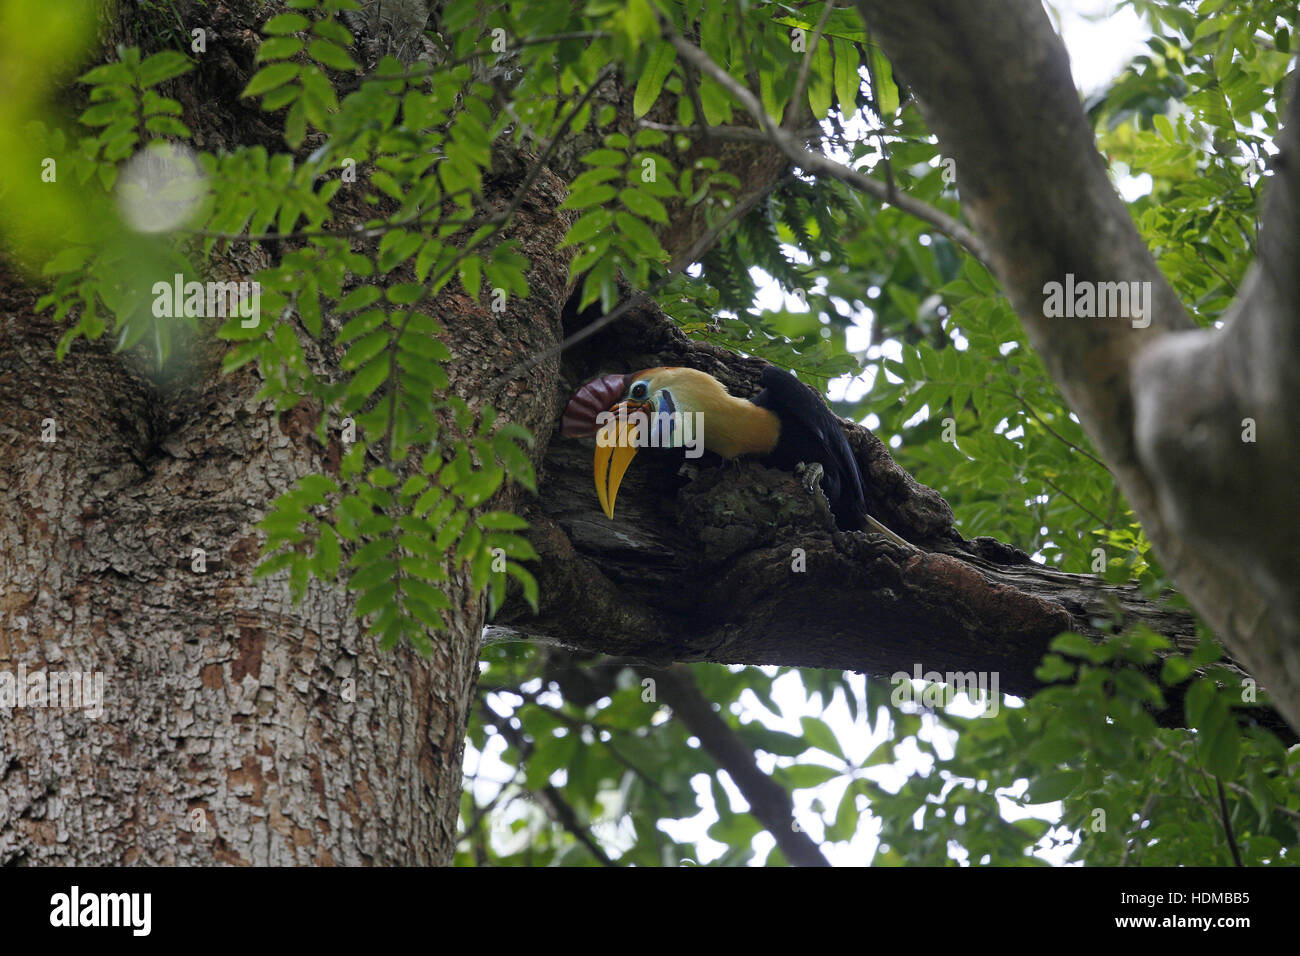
[{"x": 616, "y": 446}]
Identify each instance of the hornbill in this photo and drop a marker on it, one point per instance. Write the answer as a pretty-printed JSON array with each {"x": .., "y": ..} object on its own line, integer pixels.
[{"x": 787, "y": 424}]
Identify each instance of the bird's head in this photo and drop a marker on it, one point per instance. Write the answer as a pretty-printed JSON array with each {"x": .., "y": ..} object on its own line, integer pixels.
[{"x": 664, "y": 407}]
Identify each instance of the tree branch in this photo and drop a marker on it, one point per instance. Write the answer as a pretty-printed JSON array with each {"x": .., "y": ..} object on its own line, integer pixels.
[
  {"x": 801, "y": 81},
  {"x": 1226, "y": 817},
  {"x": 1164, "y": 402},
  {"x": 740, "y": 565},
  {"x": 812, "y": 162},
  {"x": 768, "y": 801}
]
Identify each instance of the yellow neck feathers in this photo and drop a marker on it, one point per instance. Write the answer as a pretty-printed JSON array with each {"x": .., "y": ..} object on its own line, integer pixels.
[{"x": 732, "y": 426}]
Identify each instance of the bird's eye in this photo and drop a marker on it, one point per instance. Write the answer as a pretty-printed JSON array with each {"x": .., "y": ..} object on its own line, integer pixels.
[{"x": 639, "y": 390}]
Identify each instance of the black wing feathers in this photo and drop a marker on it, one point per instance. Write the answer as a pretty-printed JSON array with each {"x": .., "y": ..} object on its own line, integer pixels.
[{"x": 810, "y": 431}]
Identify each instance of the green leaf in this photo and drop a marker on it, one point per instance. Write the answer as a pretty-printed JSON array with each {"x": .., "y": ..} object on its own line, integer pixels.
[
  {"x": 449, "y": 533},
  {"x": 110, "y": 74},
  {"x": 1054, "y": 668},
  {"x": 846, "y": 817},
  {"x": 886, "y": 96},
  {"x": 605, "y": 157},
  {"x": 312, "y": 489},
  {"x": 643, "y": 204},
  {"x": 364, "y": 350},
  {"x": 1054, "y": 786},
  {"x": 802, "y": 776},
  {"x": 163, "y": 66},
  {"x": 279, "y": 48},
  {"x": 286, "y": 23},
  {"x": 358, "y": 298},
  {"x": 817, "y": 733},
  {"x": 820, "y": 78},
  {"x": 68, "y": 259},
  {"x": 105, "y": 113},
  {"x": 328, "y": 552},
  {"x": 588, "y": 226},
  {"x": 375, "y": 599},
  {"x": 1198, "y": 703},
  {"x": 331, "y": 54},
  {"x": 502, "y": 521},
  {"x": 716, "y": 102},
  {"x": 513, "y": 545},
  {"x": 660, "y": 64},
  {"x": 1076, "y": 645},
  {"x": 644, "y": 240},
  {"x": 405, "y": 293},
  {"x": 773, "y": 99},
  {"x": 517, "y": 464},
  {"x": 471, "y": 276},
  {"x": 592, "y": 196},
  {"x": 847, "y": 79},
  {"x": 295, "y": 124},
  {"x": 479, "y": 487},
  {"x": 369, "y": 378},
  {"x": 268, "y": 78},
  {"x": 1220, "y": 744},
  {"x": 1176, "y": 669}
]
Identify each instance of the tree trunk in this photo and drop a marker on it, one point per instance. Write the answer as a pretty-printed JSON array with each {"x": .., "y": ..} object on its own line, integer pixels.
[{"x": 236, "y": 727}]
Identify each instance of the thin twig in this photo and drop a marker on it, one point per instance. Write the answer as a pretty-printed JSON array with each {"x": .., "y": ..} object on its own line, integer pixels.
[
  {"x": 1142, "y": 815},
  {"x": 557, "y": 808},
  {"x": 769, "y": 803},
  {"x": 1234, "y": 787},
  {"x": 817, "y": 163},
  {"x": 1075, "y": 501},
  {"x": 1051, "y": 431},
  {"x": 567, "y": 817},
  {"x": 744, "y": 134},
  {"x": 432, "y": 68},
  {"x": 1227, "y": 823}
]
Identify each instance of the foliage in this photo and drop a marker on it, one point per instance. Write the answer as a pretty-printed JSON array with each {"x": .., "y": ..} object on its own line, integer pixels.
[
  {"x": 948, "y": 378},
  {"x": 1015, "y": 464},
  {"x": 399, "y": 525}
]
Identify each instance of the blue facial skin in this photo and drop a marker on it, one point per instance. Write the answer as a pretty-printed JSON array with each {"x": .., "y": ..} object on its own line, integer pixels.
[{"x": 665, "y": 420}]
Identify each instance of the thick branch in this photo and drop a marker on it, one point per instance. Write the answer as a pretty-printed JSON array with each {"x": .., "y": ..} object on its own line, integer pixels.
[
  {"x": 738, "y": 564},
  {"x": 1165, "y": 403}
]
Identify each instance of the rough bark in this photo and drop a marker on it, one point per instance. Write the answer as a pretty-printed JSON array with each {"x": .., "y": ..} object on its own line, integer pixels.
[
  {"x": 221, "y": 695},
  {"x": 237, "y": 727}
]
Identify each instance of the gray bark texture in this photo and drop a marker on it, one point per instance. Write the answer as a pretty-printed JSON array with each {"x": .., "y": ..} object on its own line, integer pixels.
[{"x": 237, "y": 728}]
